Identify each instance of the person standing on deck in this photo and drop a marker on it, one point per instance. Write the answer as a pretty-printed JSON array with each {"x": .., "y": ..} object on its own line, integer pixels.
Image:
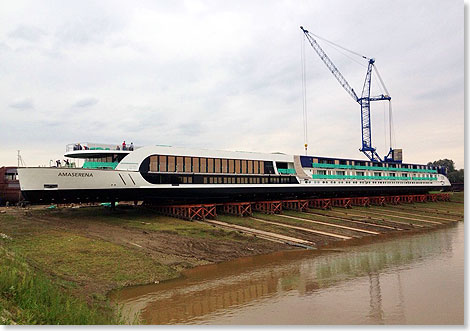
[{"x": 124, "y": 145}]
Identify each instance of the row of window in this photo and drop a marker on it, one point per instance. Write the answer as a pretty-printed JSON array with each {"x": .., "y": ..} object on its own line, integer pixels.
[
  {"x": 369, "y": 182},
  {"x": 374, "y": 164},
  {"x": 205, "y": 179},
  {"x": 377, "y": 174},
  {"x": 169, "y": 163},
  {"x": 108, "y": 158}
]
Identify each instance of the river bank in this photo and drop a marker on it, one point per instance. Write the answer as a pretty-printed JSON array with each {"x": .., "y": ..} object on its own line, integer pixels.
[{"x": 85, "y": 253}]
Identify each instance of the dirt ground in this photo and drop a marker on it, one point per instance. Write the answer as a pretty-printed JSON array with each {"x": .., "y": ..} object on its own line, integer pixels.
[{"x": 54, "y": 241}]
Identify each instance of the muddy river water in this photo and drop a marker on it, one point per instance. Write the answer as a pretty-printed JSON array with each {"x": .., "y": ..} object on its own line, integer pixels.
[{"x": 412, "y": 279}]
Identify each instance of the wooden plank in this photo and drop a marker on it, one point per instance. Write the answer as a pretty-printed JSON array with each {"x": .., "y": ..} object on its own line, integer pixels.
[
  {"x": 402, "y": 217},
  {"x": 332, "y": 225},
  {"x": 304, "y": 229},
  {"x": 261, "y": 232},
  {"x": 391, "y": 221},
  {"x": 411, "y": 214},
  {"x": 357, "y": 222}
]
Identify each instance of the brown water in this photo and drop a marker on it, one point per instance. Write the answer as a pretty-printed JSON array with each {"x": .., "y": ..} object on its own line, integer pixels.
[{"x": 417, "y": 279}]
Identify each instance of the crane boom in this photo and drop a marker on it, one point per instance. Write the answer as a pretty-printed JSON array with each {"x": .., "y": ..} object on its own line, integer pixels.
[
  {"x": 339, "y": 77},
  {"x": 364, "y": 100}
]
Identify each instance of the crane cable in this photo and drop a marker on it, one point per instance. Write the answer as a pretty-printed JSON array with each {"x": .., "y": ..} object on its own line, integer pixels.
[
  {"x": 344, "y": 48},
  {"x": 304, "y": 90},
  {"x": 390, "y": 113}
]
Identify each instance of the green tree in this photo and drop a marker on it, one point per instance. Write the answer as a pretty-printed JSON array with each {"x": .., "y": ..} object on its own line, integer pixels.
[
  {"x": 449, "y": 164},
  {"x": 454, "y": 175}
]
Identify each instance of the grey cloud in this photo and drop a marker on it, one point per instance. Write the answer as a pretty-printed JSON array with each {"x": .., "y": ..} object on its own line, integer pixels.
[
  {"x": 86, "y": 102},
  {"x": 22, "y": 104},
  {"x": 28, "y": 33}
]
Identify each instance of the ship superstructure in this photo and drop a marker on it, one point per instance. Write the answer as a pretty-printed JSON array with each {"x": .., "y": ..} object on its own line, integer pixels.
[{"x": 165, "y": 173}]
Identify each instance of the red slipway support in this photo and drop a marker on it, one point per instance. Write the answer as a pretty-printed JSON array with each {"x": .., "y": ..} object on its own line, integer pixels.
[
  {"x": 406, "y": 198},
  {"x": 237, "y": 208},
  {"x": 268, "y": 207},
  {"x": 188, "y": 212},
  {"x": 442, "y": 196},
  {"x": 210, "y": 211},
  {"x": 360, "y": 201},
  {"x": 203, "y": 211},
  {"x": 392, "y": 199},
  {"x": 378, "y": 201},
  {"x": 419, "y": 198},
  {"x": 319, "y": 203},
  {"x": 341, "y": 202},
  {"x": 298, "y": 205}
]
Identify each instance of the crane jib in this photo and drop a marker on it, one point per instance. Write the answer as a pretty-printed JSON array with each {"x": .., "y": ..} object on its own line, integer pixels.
[{"x": 364, "y": 100}]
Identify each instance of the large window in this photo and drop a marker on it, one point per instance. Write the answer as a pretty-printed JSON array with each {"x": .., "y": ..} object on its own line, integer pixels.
[
  {"x": 179, "y": 164},
  {"x": 162, "y": 161},
  {"x": 187, "y": 164},
  {"x": 217, "y": 165},
  {"x": 244, "y": 163},
  {"x": 268, "y": 167},
  {"x": 210, "y": 165},
  {"x": 203, "y": 164},
  {"x": 195, "y": 164},
  {"x": 250, "y": 166},
  {"x": 171, "y": 164},
  {"x": 256, "y": 167},
  {"x": 238, "y": 167},
  {"x": 224, "y": 166},
  {"x": 153, "y": 163}
]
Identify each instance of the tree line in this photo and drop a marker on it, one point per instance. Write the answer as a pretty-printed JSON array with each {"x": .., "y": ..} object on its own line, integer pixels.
[{"x": 454, "y": 175}]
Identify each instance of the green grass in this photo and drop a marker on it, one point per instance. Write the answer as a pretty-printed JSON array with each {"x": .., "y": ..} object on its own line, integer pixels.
[
  {"x": 71, "y": 256},
  {"x": 457, "y": 197},
  {"x": 28, "y": 297}
]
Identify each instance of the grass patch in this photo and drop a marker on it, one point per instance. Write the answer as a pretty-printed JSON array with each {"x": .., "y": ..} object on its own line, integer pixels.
[
  {"x": 29, "y": 297},
  {"x": 71, "y": 256},
  {"x": 458, "y": 197},
  {"x": 144, "y": 219}
]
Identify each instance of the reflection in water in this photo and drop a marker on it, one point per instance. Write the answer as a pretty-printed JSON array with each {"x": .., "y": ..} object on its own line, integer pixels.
[
  {"x": 376, "y": 312},
  {"x": 250, "y": 290}
]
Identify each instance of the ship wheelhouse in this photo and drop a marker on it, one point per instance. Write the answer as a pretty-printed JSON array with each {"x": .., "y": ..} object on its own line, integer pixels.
[{"x": 95, "y": 156}]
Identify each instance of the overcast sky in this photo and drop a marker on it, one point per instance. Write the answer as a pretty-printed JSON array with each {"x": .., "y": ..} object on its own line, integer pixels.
[{"x": 227, "y": 75}]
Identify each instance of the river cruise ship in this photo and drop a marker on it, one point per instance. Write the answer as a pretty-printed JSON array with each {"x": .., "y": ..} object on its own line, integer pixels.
[{"x": 163, "y": 174}]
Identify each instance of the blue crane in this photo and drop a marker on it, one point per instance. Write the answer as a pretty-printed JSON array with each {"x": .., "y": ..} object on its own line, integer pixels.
[{"x": 364, "y": 100}]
